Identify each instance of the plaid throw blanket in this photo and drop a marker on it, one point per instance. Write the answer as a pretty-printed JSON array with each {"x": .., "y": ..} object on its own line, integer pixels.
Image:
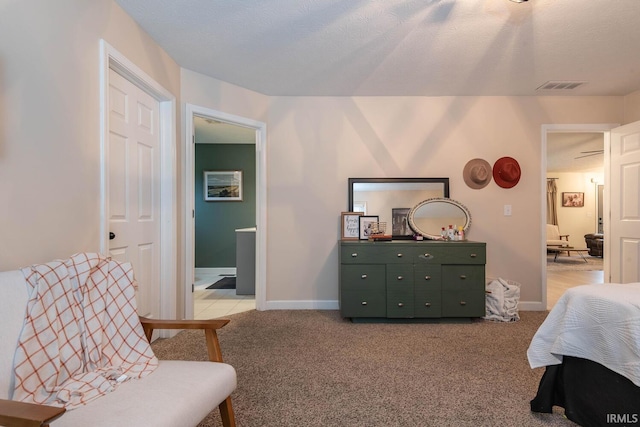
[{"x": 82, "y": 336}]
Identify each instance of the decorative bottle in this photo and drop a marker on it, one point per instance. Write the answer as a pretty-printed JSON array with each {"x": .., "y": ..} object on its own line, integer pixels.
[{"x": 451, "y": 232}]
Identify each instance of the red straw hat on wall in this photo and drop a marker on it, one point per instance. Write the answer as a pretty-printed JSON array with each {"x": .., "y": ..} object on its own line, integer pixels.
[{"x": 506, "y": 172}]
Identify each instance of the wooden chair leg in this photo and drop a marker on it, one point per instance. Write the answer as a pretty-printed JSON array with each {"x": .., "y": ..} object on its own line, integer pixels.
[{"x": 226, "y": 413}]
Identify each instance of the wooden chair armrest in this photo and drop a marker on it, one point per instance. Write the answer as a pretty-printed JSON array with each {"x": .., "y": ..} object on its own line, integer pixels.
[
  {"x": 566, "y": 236},
  {"x": 21, "y": 414},
  {"x": 183, "y": 324},
  {"x": 209, "y": 326}
]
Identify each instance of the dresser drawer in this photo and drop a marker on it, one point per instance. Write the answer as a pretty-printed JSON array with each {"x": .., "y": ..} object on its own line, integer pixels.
[
  {"x": 465, "y": 254},
  {"x": 400, "y": 302},
  {"x": 376, "y": 253},
  {"x": 428, "y": 254},
  {"x": 400, "y": 275},
  {"x": 427, "y": 303},
  {"x": 363, "y": 303},
  {"x": 427, "y": 277},
  {"x": 362, "y": 276},
  {"x": 463, "y": 277},
  {"x": 363, "y": 290},
  {"x": 400, "y": 290},
  {"x": 463, "y": 303}
]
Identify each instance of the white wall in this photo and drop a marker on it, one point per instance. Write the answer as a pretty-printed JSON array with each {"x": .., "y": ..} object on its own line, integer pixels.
[
  {"x": 317, "y": 143},
  {"x": 49, "y": 121},
  {"x": 632, "y": 107}
]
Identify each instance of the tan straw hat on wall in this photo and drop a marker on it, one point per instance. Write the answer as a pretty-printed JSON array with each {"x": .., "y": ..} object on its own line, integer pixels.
[{"x": 477, "y": 173}]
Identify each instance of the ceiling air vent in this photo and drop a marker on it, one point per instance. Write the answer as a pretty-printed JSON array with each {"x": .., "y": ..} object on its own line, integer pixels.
[{"x": 560, "y": 85}]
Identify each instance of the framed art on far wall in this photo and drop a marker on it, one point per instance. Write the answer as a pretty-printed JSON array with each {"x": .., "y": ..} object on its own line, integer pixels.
[
  {"x": 350, "y": 225},
  {"x": 225, "y": 186},
  {"x": 573, "y": 200},
  {"x": 366, "y": 225}
]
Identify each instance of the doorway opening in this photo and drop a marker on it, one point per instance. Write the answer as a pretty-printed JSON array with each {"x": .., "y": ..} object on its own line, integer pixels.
[
  {"x": 194, "y": 114},
  {"x": 574, "y": 158}
]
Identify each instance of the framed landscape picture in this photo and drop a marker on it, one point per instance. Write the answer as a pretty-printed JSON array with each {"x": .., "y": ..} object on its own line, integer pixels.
[{"x": 225, "y": 186}]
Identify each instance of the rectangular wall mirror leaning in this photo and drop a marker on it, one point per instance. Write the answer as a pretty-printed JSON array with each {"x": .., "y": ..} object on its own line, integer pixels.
[{"x": 389, "y": 198}]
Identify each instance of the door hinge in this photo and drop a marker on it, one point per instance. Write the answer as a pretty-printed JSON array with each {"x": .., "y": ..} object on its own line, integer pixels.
[
  {"x": 193, "y": 213},
  {"x": 193, "y": 139},
  {"x": 193, "y": 288}
]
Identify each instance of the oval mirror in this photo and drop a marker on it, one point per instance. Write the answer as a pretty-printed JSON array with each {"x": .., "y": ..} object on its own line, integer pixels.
[{"x": 428, "y": 217}]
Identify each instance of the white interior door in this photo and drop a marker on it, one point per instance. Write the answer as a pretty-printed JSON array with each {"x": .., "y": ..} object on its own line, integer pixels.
[
  {"x": 134, "y": 187},
  {"x": 624, "y": 236}
]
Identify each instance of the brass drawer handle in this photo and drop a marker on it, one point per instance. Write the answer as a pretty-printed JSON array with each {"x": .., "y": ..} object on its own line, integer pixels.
[
  {"x": 462, "y": 276},
  {"x": 427, "y": 304},
  {"x": 363, "y": 303},
  {"x": 399, "y": 255},
  {"x": 473, "y": 255},
  {"x": 364, "y": 276},
  {"x": 400, "y": 304},
  {"x": 427, "y": 255},
  {"x": 463, "y": 303},
  {"x": 400, "y": 277},
  {"x": 427, "y": 277},
  {"x": 353, "y": 255}
]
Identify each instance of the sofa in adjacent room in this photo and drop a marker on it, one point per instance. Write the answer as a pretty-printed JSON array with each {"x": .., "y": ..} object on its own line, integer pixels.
[{"x": 595, "y": 243}]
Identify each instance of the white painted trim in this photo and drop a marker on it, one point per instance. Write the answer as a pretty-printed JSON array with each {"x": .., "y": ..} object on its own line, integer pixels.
[
  {"x": 189, "y": 206},
  {"x": 303, "y": 305},
  {"x": 110, "y": 58},
  {"x": 532, "y": 306},
  {"x": 605, "y": 129}
]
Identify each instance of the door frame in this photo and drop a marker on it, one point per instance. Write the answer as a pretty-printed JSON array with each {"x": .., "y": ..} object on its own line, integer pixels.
[
  {"x": 110, "y": 58},
  {"x": 260, "y": 128},
  {"x": 605, "y": 129}
]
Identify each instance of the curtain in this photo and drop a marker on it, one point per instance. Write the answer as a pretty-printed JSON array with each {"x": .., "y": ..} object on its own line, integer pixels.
[{"x": 552, "y": 207}]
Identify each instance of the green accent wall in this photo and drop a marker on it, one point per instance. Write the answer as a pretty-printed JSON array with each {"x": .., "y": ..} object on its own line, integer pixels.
[{"x": 216, "y": 222}]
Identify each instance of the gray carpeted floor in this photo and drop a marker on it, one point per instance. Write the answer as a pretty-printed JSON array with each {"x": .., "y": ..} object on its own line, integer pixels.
[{"x": 313, "y": 368}]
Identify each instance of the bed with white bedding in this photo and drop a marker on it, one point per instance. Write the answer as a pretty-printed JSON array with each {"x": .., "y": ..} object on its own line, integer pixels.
[{"x": 590, "y": 346}]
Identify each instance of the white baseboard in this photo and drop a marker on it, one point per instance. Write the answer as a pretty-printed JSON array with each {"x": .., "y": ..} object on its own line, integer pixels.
[
  {"x": 532, "y": 306},
  {"x": 303, "y": 305}
]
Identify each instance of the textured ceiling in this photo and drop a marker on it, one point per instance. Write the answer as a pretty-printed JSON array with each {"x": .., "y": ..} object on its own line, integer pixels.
[
  {"x": 401, "y": 47},
  {"x": 575, "y": 152}
]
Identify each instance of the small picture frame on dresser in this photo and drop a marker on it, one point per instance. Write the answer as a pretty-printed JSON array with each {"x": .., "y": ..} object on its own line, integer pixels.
[
  {"x": 366, "y": 225},
  {"x": 350, "y": 225}
]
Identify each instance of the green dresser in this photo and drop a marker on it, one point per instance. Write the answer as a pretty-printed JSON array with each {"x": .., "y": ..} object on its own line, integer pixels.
[{"x": 405, "y": 279}]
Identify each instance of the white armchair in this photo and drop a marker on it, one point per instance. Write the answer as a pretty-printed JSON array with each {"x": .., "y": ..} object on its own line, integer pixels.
[
  {"x": 177, "y": 393},
  {"x": 554, "y": 238}
]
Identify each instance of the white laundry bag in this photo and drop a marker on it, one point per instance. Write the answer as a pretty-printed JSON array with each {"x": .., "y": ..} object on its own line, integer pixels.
[{"x": 502, "y": 300}]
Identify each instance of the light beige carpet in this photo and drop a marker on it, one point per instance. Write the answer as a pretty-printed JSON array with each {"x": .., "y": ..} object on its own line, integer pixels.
[{"x": 313, "y": 368}]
